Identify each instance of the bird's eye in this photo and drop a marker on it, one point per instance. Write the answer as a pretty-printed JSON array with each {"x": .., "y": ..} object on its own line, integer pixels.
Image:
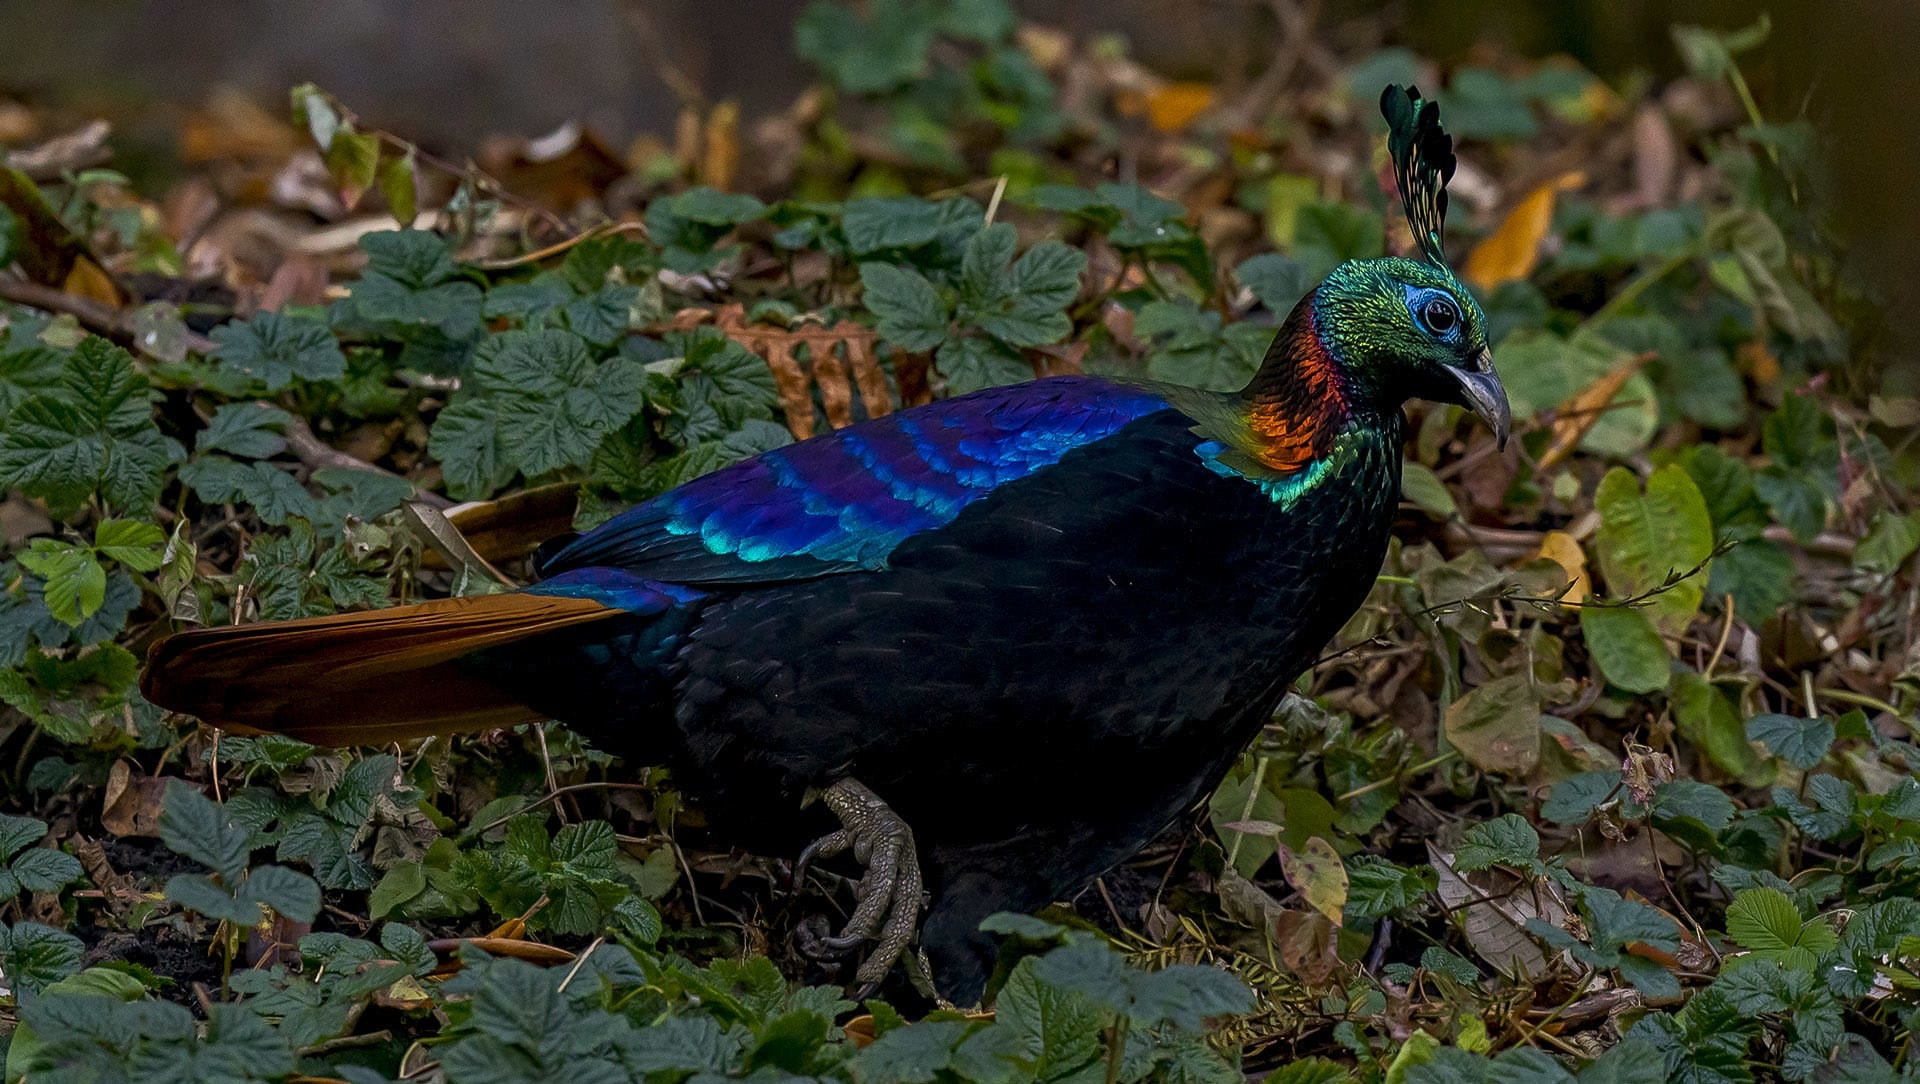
[{"x": 1439, "y": 315}]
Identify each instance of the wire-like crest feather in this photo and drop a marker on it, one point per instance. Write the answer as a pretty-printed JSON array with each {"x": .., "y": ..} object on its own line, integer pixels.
[{"x": 1423, "y": 163}]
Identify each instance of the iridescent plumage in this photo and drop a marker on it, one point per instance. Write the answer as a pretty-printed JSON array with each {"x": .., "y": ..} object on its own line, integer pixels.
[{"x": 1038, "y": 621}]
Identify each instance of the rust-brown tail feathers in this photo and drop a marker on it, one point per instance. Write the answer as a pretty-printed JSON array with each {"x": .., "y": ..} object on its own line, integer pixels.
[{"x": 358, "y": 678}]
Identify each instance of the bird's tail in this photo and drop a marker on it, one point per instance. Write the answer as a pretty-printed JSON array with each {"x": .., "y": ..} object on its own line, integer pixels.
[{"x": 360, "y": 678}]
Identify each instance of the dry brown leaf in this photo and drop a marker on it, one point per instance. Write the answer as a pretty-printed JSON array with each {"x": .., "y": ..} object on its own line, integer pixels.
[
  {"x": 1579, "y": 414},
  {"x": 872, "y": 383},
  {"x": 791, "y": 382},
  {"x": 133, "y": 802},
  {"x": 1512, "y": 251},
  {"x": 1493, "y": 907},
  {"x": 1307, "y": 946},
  {"x": 836, "y": 387}
]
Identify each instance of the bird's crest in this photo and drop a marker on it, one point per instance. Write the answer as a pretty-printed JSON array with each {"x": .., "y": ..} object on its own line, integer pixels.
[{"x": 1422, "y": 164}]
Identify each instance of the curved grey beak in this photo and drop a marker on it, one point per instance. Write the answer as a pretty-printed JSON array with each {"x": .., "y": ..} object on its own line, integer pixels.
[{"x": 1481, "y": 393}]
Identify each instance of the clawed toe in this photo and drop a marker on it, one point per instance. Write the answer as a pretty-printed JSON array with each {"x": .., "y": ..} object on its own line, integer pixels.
[{"x": 888, "y": 897}]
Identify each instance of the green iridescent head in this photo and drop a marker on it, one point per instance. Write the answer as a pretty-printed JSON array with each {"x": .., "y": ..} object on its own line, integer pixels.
[{"x": 1407, "y": 328}]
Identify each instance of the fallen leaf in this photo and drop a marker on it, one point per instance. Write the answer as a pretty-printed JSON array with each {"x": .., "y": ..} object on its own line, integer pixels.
[
  {"x": 1175, "y": 106},
  {"x": 1496, "y": 725},
  {"x": 1307, "y": 946},
  {"x": 1492, "y": 907},
  {"x": 1315, "y": 871},
  {"x": 1578, "y": 415},
  {"x": 1512, "y": 251},
  {"x": 720, "y": 147},
  {"x": 1564, "y": 550},
  {"x": 133, "y": 802},
  {"x": 87, "y": 279}
]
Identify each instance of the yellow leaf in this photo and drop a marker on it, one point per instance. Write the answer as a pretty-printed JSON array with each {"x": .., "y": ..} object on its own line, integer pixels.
[
  {"x": 1578, "y": 415},
  {"x": 1174, "y": 106},
  {"x": 1564, "y": 550},
  {"x": 720, "y": 151},
  {"x": 1512, "y": 251},
  {"x": 1316, "y": 873},
  {"x": 88, "y": 280}
]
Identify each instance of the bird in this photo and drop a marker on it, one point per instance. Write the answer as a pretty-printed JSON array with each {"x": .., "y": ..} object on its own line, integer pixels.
[{"x": 1005, "y": 638}]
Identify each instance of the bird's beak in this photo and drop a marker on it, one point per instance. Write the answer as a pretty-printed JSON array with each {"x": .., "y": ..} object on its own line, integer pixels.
[{"x": 1481, "y": 393}]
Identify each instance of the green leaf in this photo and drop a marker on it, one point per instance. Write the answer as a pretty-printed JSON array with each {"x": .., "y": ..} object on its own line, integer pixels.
[
  {"x": 1766, "y": 922},
  {"x": 401, "y": 883},
  {"x": 1800, "y": 742},
  {"x": 912, "y": 314},
  {"x": 353, "y": 161},
  {"x": 875, "y": 225},
  {"x": 1626, "y": 646},
  {"x": 194, "y": 827},
  {"x": 473, "y": 458},
  {"x": 43, "y": 870},
  {"x": 1709, "y": 53},
  {"x": 133, "y": 543},
  {"x": 33, "y": 956},
  {"x": 411, "y": 284},
  {"x": 1195, "y": 349},
  {"x": 1694, "y": 800},
  {"x": 75, "y": 585},
  {"x": 274, "y": 349},
  {"x": 1889, "y": 542},
  {"x": 197, "y": 892},
  {"x": 19, "y": 833},
  {"x": 1424, "y": 488},
  {"x": 248, "y": 430},
  {"x": 970, "y": 363},
  {"x": 294, "y": 895},
  {"x": 1648, "y": 537},
  {"x": 1377, "y": 887},
  {"x": 1573, "y": 800},
  {"x": 1506, "y": 840},
  {"x": 1542, "y": 370},
  {"x": 400, "y": 187},
  {"x": 1706, "y": 718},
  {"x": 1329, "y": 234},
  {"x": 1277, "y": 280},
  {"x": 1759, "y": 574},
  {"x": 92, "y": 433},
  {"x": 867, "y": 50}
]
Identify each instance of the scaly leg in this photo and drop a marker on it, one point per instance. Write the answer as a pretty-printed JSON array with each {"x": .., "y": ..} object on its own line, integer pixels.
[{"x": 888, "y": 907}]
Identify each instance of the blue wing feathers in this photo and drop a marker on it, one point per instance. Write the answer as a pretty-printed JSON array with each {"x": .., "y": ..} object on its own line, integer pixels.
[{"x": 842, "y": 501}]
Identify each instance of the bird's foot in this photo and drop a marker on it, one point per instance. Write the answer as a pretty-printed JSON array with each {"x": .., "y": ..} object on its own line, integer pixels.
[{"x": 888, "y": 907}]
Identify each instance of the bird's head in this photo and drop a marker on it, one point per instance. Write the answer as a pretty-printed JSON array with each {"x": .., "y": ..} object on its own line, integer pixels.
[{"x": 1406, "y": 328}]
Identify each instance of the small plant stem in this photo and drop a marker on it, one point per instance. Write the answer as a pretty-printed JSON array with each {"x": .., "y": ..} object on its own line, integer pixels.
[
  {"x": 1726, "y": 628},
  {"x": 1433, "y": 762},
  {"x": 1246, "y": 811},
  {"x": 1631, "y": 292},
  {"x": 1847, "y": 696},
  {"x": 1117, "y": 1051}
]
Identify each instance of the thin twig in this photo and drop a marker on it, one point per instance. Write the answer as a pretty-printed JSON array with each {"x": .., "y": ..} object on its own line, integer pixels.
[
  {"x": 116, "y": 324},
  {"x": 317, "y": 454}
]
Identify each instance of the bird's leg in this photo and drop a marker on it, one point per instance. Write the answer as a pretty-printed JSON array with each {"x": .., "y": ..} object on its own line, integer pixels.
[{"x": 888, "y": 907}]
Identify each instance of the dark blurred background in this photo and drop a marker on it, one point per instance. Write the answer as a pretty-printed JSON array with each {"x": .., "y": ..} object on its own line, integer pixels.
[{"x": 449, "y": 72}]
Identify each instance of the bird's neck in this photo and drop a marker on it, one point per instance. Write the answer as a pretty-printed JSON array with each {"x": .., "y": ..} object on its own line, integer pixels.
[{"x": 1302, "y": 399}]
